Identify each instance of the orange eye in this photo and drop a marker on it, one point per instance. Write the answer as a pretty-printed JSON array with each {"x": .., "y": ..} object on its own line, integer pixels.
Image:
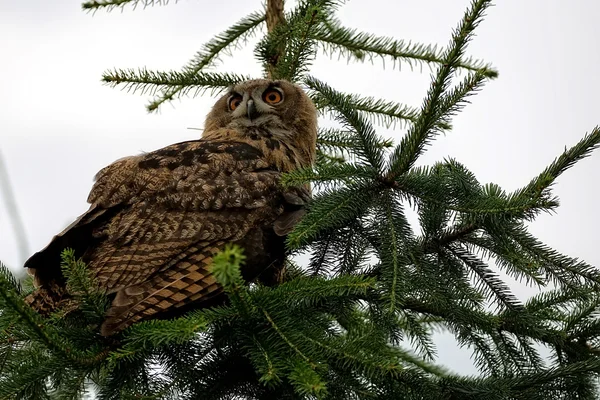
[
  {"x": 272, "y": 96},
  {"x": 234, "y": 101}
]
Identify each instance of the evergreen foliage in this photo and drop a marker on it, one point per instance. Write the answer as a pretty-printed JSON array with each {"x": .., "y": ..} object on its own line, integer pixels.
[{"x": 356, "y": 322}]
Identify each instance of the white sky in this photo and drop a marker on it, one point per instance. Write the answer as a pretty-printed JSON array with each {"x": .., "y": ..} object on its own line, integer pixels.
[{"x": 59, "y": 125}]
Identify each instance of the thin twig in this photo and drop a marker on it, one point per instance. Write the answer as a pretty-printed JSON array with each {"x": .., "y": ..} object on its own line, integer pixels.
[
  {"x": 285, "y": 338},
  {"x": 13, "y": 212}
]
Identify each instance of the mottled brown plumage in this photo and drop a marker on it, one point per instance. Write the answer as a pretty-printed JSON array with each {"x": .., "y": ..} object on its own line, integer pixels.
[{"x": 157, "y": 219}]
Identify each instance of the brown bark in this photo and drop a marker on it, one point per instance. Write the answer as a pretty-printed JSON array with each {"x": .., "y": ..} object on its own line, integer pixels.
[
  {"x": 274, "y": 17},
  {"x": 274, "y": 14}
]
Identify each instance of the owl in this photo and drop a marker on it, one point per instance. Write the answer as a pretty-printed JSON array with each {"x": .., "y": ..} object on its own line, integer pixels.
[{"x": 157, "y": 219}]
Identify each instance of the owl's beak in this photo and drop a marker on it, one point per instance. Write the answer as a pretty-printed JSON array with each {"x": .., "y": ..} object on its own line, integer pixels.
[{"x": 251, "y": 110}]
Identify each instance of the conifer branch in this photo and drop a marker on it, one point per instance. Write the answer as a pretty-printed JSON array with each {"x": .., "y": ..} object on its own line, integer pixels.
[
  {"x": 439, "y": 106},
  {"x": 112, "y": 4},
  {"x": 149, "y": 335},
  {"x": 321, "y": 259},
  {"x": 359, "y": 45},
  {"x": 427, "y": 367},
  {"x": 37, "y": 329},
  {"x": 146, "y": 81},
  {"x": 526, "y": 258},
  {"x": 488, "y": 278},
  {"x": 362, "y": 360},
  {"x": 417, "y": 329},
  {"x": 226, "y": 270},
  {"x": 346, "y": 173},
  {"x": 449, "y": 236},
  {"x": 307, "y": 292},
  {"x": 385, "y": 113},
  {"x": 339, "y": 146},
  {"x": 567, "y": 159},
  {"x": 554, "y": 262},
  {"x": 299, "y": 49},
  {"x": 207, "y": 56},
  {"x": 83, "y": 286},
  {"x": 287, "y": 340},
  {"x": 28, "y": 378},
  {"x": 307, "y": 382},
  {"x": 340, "y": 252},
  {"x": 436, "y": 106},
  {"x": 369, "y": 149},
  {"x": 518, "y": 324},
  {"x": 416, "y": 186},
  {"x": 392, "y": 240},
  {"x": 271, "y": 371},
  {"x": 543, "y": 384},
  {"x": 548, "y": 303},
  {"x": 341, "y": 139},
  {"x": 332, "y": 210},
  {"x": 328, "y": 159},
  {"x": 583, "y": 321}
]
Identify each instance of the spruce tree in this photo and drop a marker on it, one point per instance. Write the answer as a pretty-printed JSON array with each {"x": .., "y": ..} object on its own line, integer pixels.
[{"x": 356, "y": 321}]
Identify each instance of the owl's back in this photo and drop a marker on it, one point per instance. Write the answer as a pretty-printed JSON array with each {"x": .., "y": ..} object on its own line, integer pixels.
[{"x": 156, "y": 221}]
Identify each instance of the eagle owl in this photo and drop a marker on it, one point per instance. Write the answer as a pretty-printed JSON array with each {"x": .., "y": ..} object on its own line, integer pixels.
[{"x": 157, "y": 219}]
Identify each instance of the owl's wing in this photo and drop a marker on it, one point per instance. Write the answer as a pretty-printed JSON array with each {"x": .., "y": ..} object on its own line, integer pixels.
[
  {"x": 156, "y": 220},
  {"x": 295, "y": 201}
]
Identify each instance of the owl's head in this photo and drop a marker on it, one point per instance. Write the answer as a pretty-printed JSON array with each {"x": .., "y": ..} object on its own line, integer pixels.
[{"x": 277, "y": 108}]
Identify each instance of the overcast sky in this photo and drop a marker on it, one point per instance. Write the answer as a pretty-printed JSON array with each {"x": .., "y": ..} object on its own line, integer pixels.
[{"x": 59, "y": 125}]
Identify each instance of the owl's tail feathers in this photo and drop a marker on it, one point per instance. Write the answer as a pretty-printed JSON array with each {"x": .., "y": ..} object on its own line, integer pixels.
[
  {"x": 165, "y": 295},
  {"x": 50, "y": 298},
  {"x": 121, "y": 313}
]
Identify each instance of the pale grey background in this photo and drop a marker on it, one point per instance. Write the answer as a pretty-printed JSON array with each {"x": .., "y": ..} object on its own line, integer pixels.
[{"x": 59, "y": 125}]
